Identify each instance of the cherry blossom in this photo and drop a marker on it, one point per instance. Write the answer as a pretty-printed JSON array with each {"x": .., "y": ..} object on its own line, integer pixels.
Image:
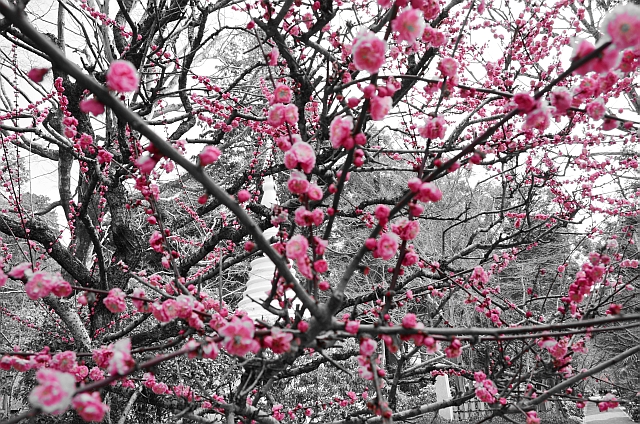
[
  {"x": 380, "y": 107},
  {"x": 300, "y": 154},
  {"x": 409, "y": 24},
  {"x": 92, "y": 105},
  {"x": 90, "y": 407},
  {"x": 115, "y": 301},
  {"x": 238, "y": 336},
  {"x": 122, "y": 77},
  {"x": 368, "y": 52},
  {"x": 209, "y": 155},
  {"x": 37, "y": 74},
  {"x": 622, "y": 24},
  {"x": 121, "y": 360},
  {"x": 340, "y": 131},
  {"x": 53, "y": 392}
]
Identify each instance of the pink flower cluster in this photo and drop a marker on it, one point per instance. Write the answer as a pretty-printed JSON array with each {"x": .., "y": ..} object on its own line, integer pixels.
[
  {"x": 301, "y": 155},
  {"x": 485, "y": 388},
  {"x": 433, "y": 128},
  {"x": 424, "y": 191},
  {"x": 90, "y": 407},
  {"x": 238, "y": 336},
  {"x": 538, "y": 115},
  {"x": 609, "y": 401},
  {"x": 591, "y": 273},
  {"x": 54, "y": 391},
  {"x": 115, "y": 301},
  {"x": 40, "y": 284}
]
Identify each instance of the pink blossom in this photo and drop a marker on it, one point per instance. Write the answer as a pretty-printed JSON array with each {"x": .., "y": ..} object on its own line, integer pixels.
[
  {"x": 102, "y": 356},
  {"x": 382, "y": 213},
  {"x": 37, "y": 74},
  {"x": 538, "y": 119},
  {"x": 367, "y": 346},
  {"x": 238, "y": 336},
  {"x": 297, "y": 247},
  {"x": 524, "y": 102},
  {"x": 409, "y": 24},
  {"x": 433, "y": 128},
  {"x": 39, "y": 285},
  {"x": 380, "y": 107},
  {"x": 275, "y": 115},
  {"x": 314, "y": 192},
  {"x": 209, "y": 155},
  {"x": 19, "y": 271},
  {"x": 53, "y": 392},
  {"x": 122, "y": 77},
  {"x": 282, "y": 93},
  {"x": 405, "y": 229},
  {"x": 320, "y": 266},
  {"x": 121, "y": 360},
  {"x": 300, "y": 154},
  {"x": 104, "y": 156},
  {"x": 448, "y": 66},
  {"x": 606, "y": 60},
  {"x": 272, "y": 57},
  {"x": 92, "y": 105},
  {"x": 596, "y": 109},
  {"x": 90, "y": 407},
  {"x": 609, "y": 124},
  {"x": 429, "y": 192},
  {"x": 352, "y": 327},
  {"x": 279, "y": 341},
  {"x": 622, "y": 24},
  {"x": 146, "y": 164},
  {"x": 306, "y": 218},
  {"x": 96, "y": 374},
  {"x": 386, "y": 246},
  {"x": 340, "y": 130},
  {"x": 368, "y": 52},
  {"x": 160, "y": 388},
  {"x": 561, "y": 100},
  {"x": 409, "y": 321},
  {"x": 115, "y": 301},
  {"x": 532, "y": 417},
  {"x": 243, "y": 196},
  {"x": 298, "y": 183},
  {"x": 64, "y": 361},
  {"x": 454, "y": 349},
  {"x": 291, "y": 114}
]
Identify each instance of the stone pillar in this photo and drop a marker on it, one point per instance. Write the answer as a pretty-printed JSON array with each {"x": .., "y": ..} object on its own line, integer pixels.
[
  {"x": 443, "y": 392},
  {"x": 262, "y": 269}
]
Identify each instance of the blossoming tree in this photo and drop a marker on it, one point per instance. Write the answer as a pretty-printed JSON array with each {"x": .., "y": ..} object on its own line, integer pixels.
[{"x": 420, "y": 148}]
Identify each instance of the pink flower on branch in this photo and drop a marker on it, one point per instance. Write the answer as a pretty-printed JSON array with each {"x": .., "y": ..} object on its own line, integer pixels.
[
  {"x": 622, "y": 25},
  {"x": 238, "y": 336},
  {"x": 340, "y": 132},
  {"x": 409, "y": 25},
  {"x": 302, "y": 155},
  {"x": 92, "y": 105},
  {"x": 122, "y": 77},
  {"x": 90, "y": 407},
  {"x": 368, "y": 52},
  {"x": 209, "y": 155},
  {"x": 53, "y": 392},
  {"x": 121, "y": 360},
  {"x": 380, "y": 107},
  {"x": 115, "y": 301},
  {"x": 37, "y": 74}
]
